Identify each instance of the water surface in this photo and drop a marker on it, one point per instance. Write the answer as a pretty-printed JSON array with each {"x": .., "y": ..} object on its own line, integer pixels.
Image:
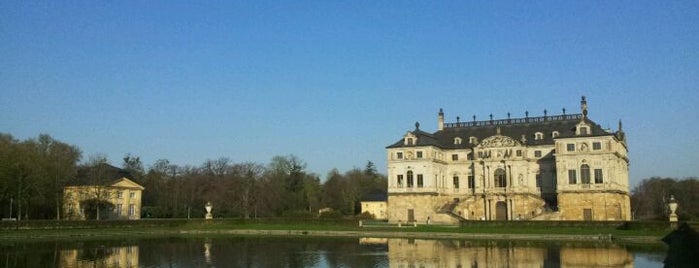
[{"x": 322, "y": 252}]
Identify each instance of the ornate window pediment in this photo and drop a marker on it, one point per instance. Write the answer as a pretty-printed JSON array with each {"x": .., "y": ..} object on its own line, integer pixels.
[{"x": 499, "y": 141}]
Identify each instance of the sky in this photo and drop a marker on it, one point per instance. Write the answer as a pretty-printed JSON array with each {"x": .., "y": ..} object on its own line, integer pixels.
[{"x": 335, "y": 82}]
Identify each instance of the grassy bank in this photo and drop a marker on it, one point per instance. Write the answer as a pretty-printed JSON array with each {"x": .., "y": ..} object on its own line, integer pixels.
[{"x": 629, "y": 232}]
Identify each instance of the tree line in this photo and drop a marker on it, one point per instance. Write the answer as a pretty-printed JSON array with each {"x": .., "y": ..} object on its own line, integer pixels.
[
  {"x": 650, "y": 198},
  {"x": 34, "y": 172}
]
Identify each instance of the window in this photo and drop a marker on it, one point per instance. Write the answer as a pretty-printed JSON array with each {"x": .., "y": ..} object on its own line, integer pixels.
[
  {"x": 410, "y": 178},
  {"x": 469, "y": 156},
  {"x": 596, "y": 146},
  {"x": 454, "y": 157},
  {"x": 480, "y": 154},
  {"x": 117, "y": 209},
  {"x": 554, "y": 134},
  {"x": 399, "y": 155},
  {"x": 472, "y": 140},
  {"x": 585, "y": 174},
  {"x": 537, "y": 153},
  {"x": 572, "y": 178},
  {"x": 419, "y": 154},
  {"x": 132, "y": 194},
  {"x": 457, "y": 140},
  {"x": 471, "y": 182},
  {"x": 409, "y": 141},
  {"x": 519, "y": 152},
  {"x": 132, "y": 210},
  {"x": 538, "y": 136},
  {"x": 538, "y": 180},
  {"x": 584, "y": 130},
  {"x": 119, "y": 194},
  {"x": 598, "y": 176},
  {"x": 419, "y": 180},
  {"x": 399, "y": 180},
  {"x": 570, "y": 147},
  {"x": 500, "y": 179},
  {"x": 456, "y": 182}
]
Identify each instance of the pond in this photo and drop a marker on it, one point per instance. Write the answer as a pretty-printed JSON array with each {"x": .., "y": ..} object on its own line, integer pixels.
[{"x": 251, "y": 251}]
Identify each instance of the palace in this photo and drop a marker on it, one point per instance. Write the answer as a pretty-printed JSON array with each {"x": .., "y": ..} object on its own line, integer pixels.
[{"x": 553, "y": 167}]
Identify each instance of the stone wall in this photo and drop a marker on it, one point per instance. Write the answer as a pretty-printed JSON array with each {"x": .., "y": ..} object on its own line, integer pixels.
[{"x": 601, "y": 206}]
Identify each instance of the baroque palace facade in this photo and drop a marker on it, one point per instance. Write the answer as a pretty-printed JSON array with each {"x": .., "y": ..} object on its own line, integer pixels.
[{"x": 553, "y": 167}]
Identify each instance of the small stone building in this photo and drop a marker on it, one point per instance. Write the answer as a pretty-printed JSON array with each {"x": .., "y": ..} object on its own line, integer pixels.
[
  {"x": 375, "y": 204},
  {"x": 551, "y": 167},
  {"x": 104, "y": 186}
]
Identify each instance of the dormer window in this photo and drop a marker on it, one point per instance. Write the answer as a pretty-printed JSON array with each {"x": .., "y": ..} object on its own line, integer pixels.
[
  {"x": 582, "y": 129},
  {"x": 409, "y": 139},
  {"x": 538, "y": 136},
  {"x": 457, "y": 140},
  {"x": 554, "y": 134}
]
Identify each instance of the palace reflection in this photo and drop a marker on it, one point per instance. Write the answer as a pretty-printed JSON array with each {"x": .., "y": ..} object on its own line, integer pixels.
[
  {"x": 460, "y": 253},
  {"x": 124, "y": 256}
]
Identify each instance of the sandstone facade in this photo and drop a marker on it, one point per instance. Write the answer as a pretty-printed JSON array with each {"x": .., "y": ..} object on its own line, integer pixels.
[{"x": 510, "y": 169}]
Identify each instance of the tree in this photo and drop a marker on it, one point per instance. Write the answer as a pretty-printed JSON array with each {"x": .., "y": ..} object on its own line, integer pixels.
[
  {"x": 649, "y": 199},
  {"x": 96, "y": 186}
]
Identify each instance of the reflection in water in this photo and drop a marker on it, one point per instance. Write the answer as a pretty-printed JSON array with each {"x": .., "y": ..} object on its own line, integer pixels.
[
  {"x": 455, "y": 253},
  {"x": 319, "y": 252},
  {"x": 101, "y": 256}
]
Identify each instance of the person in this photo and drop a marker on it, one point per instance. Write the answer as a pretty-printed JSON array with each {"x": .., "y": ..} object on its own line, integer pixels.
[{"x": 428, "y": 220}]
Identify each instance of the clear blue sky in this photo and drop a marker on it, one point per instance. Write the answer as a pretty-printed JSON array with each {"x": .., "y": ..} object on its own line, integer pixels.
[{"x": 335, "y": 82}]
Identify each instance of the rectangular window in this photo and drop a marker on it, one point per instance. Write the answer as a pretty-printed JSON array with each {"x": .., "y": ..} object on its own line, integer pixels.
[
  {"x": 132, "y": 210},
  {"x": 469, "y": 156},
  {"x": 456, "y": 182},
  {"x": 410, "y": 180},
  {"x": 570, "y": 147},
  {"x": 132, "y": 194},
  {"x": 399, "y": 155},
  {"x": 419, "y": 180},
  {"x": 596, "y": 146},
  {"x": 480, "y": 154},
  {"x": 471, "y": 182},
  {"x": 572, "y": 177},
  {"x": 454, "y": 157},
  {"x": 399, "y": 180},
  {"x": 118, "y": 209},
  {"x": 410, "y": 141},
  {"x": 538, "y": 180},
  {"x": 419, "y": 154},
  {"x": 519, "y": 152},
  {"x": 119, "y": 194},
  {"x": 598, "y": 176},
  {"x": 537, "y": 153}
]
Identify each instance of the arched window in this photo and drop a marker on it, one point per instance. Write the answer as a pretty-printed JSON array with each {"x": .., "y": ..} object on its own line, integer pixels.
[
  {"x": 554, "y": 134},
  {"x": 585, "y": 174},
  {"x": 500, "y": 179},
  {"x": 410, "y": 178}
]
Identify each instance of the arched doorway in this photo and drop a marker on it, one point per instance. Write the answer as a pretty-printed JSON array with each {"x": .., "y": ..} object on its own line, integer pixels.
[{"x": 501, "y": 211}]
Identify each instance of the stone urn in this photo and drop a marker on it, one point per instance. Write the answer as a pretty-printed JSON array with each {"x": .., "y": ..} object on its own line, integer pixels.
[
  {"x": 672, "y": 204},
  {"x": 208, "y": 208}
]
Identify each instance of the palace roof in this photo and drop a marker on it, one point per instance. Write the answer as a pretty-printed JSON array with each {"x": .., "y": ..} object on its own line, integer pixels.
[{"x": 519, "y": 129}]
